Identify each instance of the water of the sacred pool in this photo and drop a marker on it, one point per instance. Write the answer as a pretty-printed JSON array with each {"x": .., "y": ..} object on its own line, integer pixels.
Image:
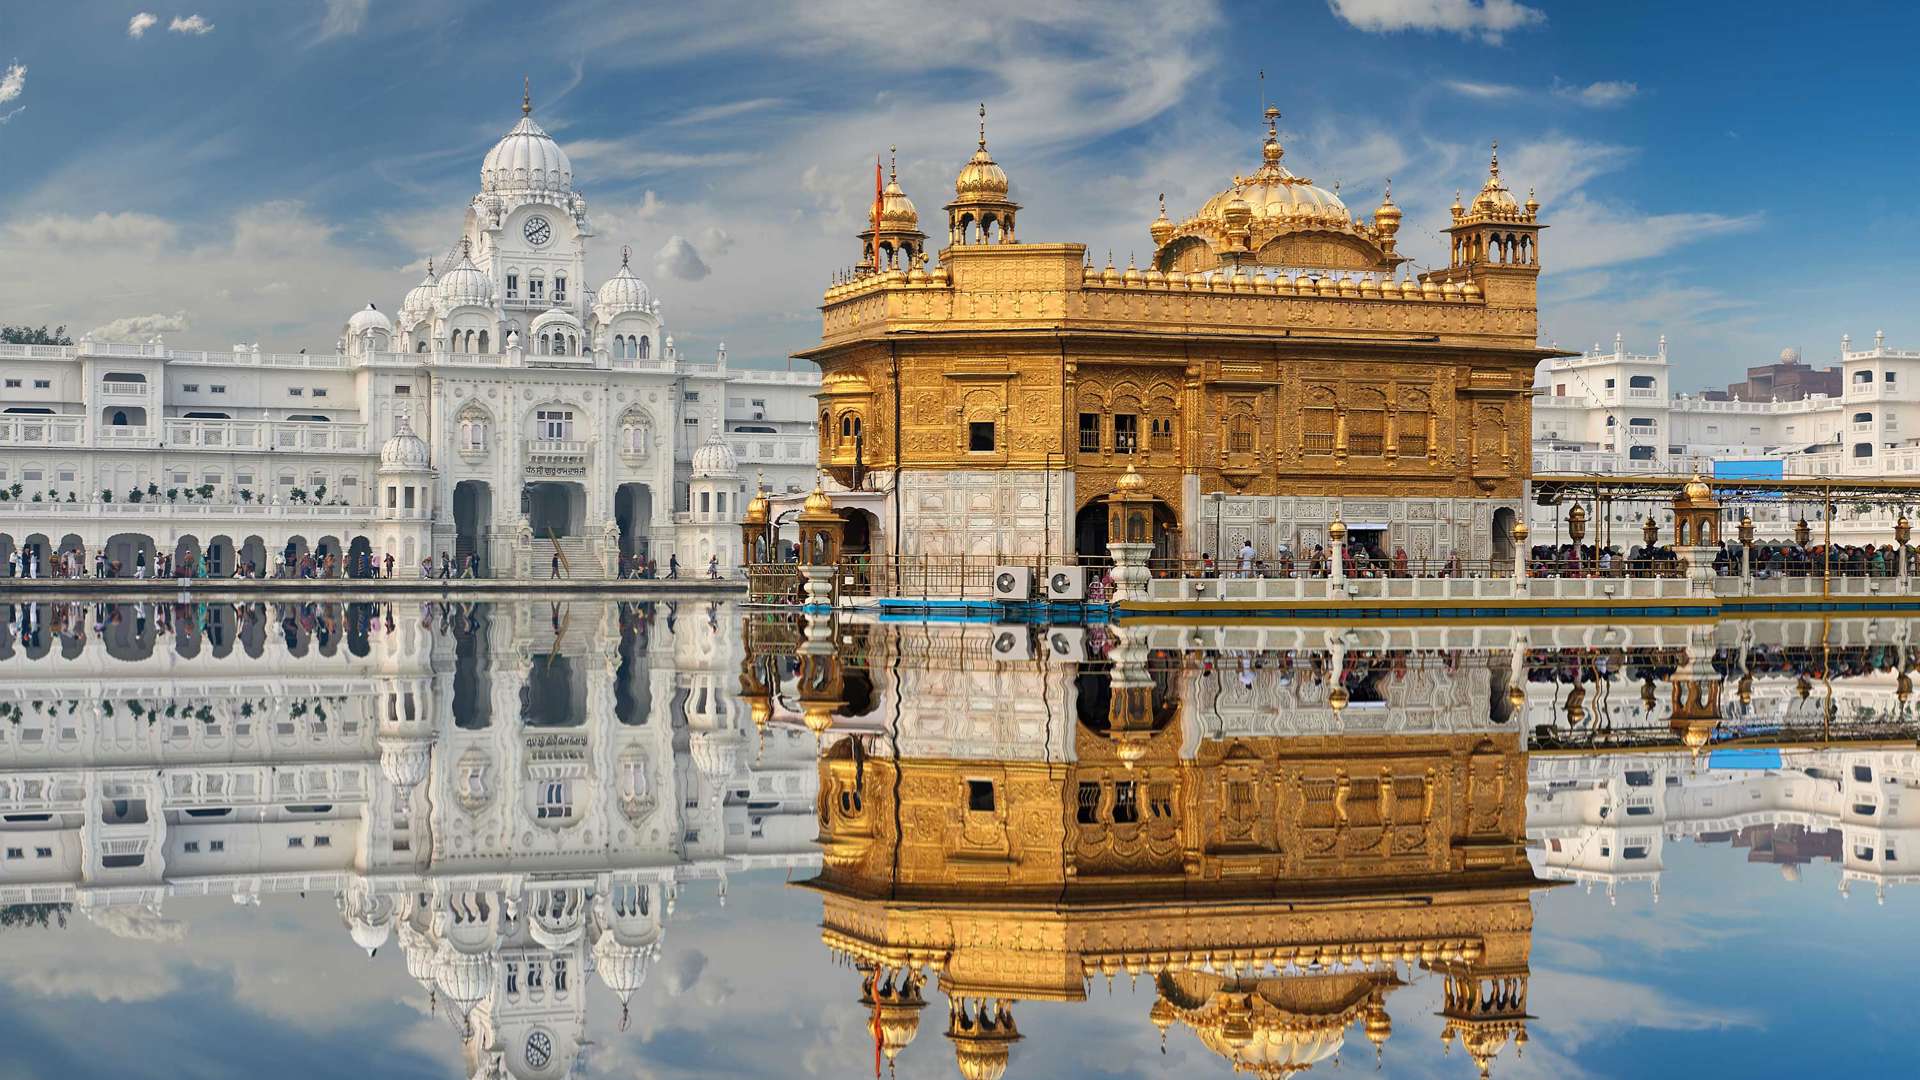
[{"x": 533, "y": 839}]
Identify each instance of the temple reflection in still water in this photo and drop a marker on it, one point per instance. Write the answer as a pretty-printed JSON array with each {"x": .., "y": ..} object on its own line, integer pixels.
[{"x": 1273, "y": 833}]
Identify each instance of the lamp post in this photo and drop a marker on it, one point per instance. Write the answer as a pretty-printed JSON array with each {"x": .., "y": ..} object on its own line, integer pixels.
[
  {"x": 1520, "y": 533},
  {"x": 1337, "y": 573},
  {"x": 1746, "y": 551},
  {"x": 1219, "y": 499},
  {"x": 1903, "y": 532}
]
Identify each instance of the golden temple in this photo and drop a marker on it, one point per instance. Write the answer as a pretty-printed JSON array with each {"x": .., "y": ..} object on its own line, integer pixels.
[{"x": 1270, "y": 371}]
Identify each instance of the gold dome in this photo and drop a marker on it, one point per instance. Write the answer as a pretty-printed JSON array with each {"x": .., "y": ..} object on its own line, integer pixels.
[
  {"x": 983, "y": 1035},
  {"x": 1697, "y": 490},
  {"x": 1274, "y": 193},
  {"x": 1521, "y": 532},
  {"x": 817, "y": 715},
  {"x": 757, "y": 507},
  {"x": 1273, "y": 1027},
  {"x": 895, "y": 1007},
  {"x": 1337, "y": 698},
  {"x": 1386, "y": 217},
  {"x": 1494, "y": 199},
  {"x": 896, "y": 211},
  {"x": 1130, "y": 481},
  {"x": 817, "y": 503},
  {"x": 981, "y": 175},
  {"x": 1162, "y": 227}
]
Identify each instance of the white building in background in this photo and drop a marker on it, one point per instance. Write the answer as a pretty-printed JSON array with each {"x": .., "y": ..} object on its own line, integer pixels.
[
  {"x": 1615, "y": 412},
  {"x": 517, "y": 800},
  {"x": 504, "y": 408}
]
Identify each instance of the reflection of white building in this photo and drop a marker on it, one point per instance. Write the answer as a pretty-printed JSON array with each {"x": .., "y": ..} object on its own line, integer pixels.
[
  {"x": 1605, "y": 820},
  {"x": 518, "y": 801},
  {"x": 549, "y": 414}
]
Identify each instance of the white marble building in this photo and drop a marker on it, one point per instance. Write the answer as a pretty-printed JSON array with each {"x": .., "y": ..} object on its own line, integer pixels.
[
  {"x": 544, "y": 415},
  {"x": 517, "y": 802}
]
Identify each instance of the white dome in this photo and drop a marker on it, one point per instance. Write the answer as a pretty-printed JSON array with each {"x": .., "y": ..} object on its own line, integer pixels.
[
  {"x": 368, "y": 318},
  {"x": 714, "y": 459},
  {"x": 419, "y": 302},
  {"x": 526, "y": 161},
  {"x": 405, "y": 450},
  {"x": 369, "y": 936},
  {"x": 622, "y": 968},
  {"x": 622, "y": 293},
  {"x": 465, "y": 980},
  {"x": 1789, "y": 355},
  {"x": 466, "y": 285}
]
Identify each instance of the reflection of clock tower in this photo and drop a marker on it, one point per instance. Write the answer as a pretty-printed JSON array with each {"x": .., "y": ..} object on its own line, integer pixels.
[{"x": 529, "y": 228}]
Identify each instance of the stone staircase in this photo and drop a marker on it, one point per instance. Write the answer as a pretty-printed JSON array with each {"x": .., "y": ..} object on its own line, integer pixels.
[{"x": 580, "y": 558}]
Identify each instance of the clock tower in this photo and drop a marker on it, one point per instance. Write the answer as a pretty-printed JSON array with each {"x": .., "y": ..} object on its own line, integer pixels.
[{"x": 528, "y": 226}]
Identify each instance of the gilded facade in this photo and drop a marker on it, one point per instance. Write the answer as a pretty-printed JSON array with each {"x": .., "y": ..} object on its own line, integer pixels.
[{"x": 1270, "y": 370}]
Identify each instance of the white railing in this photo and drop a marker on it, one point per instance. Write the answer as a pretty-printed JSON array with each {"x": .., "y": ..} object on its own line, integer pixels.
[
  {"x": 1642, "y": 392},
  {"x": 762, "y": 448},
  {"x": 1589, "y": 463},
  {"x": 1565, "y": 401},
  {"x": 787, "y": 378},
  {"x": 42, "y": 430},
  {"x": 557, "y": 447},
  {"x": 10, "y": 351},
  {"x": 124, "y": 437},
  {"x": 160, "y": 507},
  {"x": 265, "y": 435},
  {"x": 648, "y": 363},
  {"x": 124, "y": 389}
]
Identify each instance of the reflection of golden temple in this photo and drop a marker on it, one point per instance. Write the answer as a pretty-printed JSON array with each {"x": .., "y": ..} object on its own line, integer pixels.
[{"x": 1272, "y": 887}]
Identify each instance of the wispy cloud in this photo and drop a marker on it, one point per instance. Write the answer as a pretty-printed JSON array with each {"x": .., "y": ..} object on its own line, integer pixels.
[
  {"x": 1481, "y": 90},
  {"x": 708, "y": 113},
  {"x": 138, "y": 26},
  {"x": 638, "y": 156},
  {"x": 1488, "y": 20},
  {"x": 141, "y": 327},
  {"x": 190, "y": 24},
  {"x": 13, "y": 83},
  {"x": 1599, "y": 95},
  {"x": 343, "y": 18},
  {"x": 678, "y": 258}
]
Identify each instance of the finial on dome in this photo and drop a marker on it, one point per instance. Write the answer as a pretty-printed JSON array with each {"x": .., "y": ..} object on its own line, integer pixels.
[
  {"x": 429, "y": 266},
  {"x": 626, "y": 254},
  {"x": 466, "y": 247},
  {"x": 983, "y": 125},
  {"x": 1273, "y": 121},
  {"x": 893, "y": 171},
  {"x": 1493, "y": 167},
  {"x": 526, "y": 95}
]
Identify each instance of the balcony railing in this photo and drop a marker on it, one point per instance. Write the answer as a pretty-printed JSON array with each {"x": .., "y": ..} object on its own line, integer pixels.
[
  {"x": 762, "y": 448},
  {"x": 42, "y": 430},
  {"x": 124, "y": 389},
  {"x": 264, "y": 435}
]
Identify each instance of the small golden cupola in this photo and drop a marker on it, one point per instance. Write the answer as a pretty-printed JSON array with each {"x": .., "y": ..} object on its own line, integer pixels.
[
  {"x": 981, "y": 211},
  {"x": 892, "y": 240},
  {"x": 1386, "y": 219},
  {"x": 1271, "y": 217},
  {"x": 1494, "y": 231},
  {"x": 1162, "y": 227}
]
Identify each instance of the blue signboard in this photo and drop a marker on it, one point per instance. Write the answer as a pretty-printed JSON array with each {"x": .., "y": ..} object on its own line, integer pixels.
[
  {"x": 1743, "y": 759},
  {"x": 1750, "y": 469}
]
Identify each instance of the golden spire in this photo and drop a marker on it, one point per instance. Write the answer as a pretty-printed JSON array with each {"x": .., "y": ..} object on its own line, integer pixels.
[
  {"x": 983, "y": 125},
  {"x": 1162, "y": 228},
  {"x": 1493, "y": 169},
  {"x": 893, "y": 171},
  {"x": 526, "y": 95},
  {"x": 1271, "y": 152}
]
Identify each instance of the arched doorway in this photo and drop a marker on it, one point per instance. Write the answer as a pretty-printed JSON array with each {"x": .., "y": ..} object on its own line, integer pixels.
[
  {"x": 1090, "y": 537},
  {"x": 73, "y": 555},
  {"x": 186, "y": 556},
  {"x": 554, "y": 508},
  {"x": 34, "y": 553},
  {"x": 253, "y": 557},
  {"x": 220, "y": 560},
  {"x": 360, "y": 558},
  {"x": 128, "y": 553},
  {"x": 1503, "y": 535},
  {"x": 328, "y": 547},
  {"x": 860, "y": 529},
  {"x": 472, "y": 511},
  {"x": 633, "y": 511}
]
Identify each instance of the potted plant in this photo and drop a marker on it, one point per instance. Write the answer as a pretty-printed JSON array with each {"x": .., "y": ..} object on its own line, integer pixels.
[
  {"x": 320, "y": 494},
  {"x": 153, "y": 490},
  {"x": 246, "y": 495},
  {"x": 173, "y": 494},
  {"x": 298, "y": 495},
  {"x": 135, "y": 495},
  {"x": 106, "y": 495},
  {"x": 36, "y": 496},
  {"x": 206, "y": 491}
]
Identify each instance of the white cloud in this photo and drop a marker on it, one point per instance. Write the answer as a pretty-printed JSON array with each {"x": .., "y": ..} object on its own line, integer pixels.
[
  {"x": 1599, "y": 95},
  {"x": 138, "y": 26},
  {"x": 1482, "y": 91},
  {"x": 191, "y": 24},
  {"x": 679, "y": 259},
  {"x": 13, "y": 82},
  {"x": 1489, "y": 20},
  {"x": 708, "y": 113},
  {"x": 717, "y": 240},
  {"x": 127, "y": 229},
  {"x": 141, "y": 327},
  {"x": 343, "y": 18},
  {"x": 629, "y": 158}
]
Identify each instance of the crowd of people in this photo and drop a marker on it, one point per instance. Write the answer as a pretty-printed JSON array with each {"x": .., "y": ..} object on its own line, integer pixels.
[{"x": 1361, "y": 560}]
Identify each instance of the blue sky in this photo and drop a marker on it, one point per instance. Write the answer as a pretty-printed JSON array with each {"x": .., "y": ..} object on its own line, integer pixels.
[{"x": 1727, "y": 174}]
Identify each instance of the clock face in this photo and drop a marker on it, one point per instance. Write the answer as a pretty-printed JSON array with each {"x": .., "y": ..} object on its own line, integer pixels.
[
  {"x": 537, "y": 231},
  {"x": 539, "y": 1049}
]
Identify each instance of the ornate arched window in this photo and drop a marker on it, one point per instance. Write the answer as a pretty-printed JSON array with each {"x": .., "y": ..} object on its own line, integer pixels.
[
  {"x": 483, "y": 341},
  {"x": 636, "y": 432},
  {"x": 646, "y": 344},
  {"x": 473, "y": 425},
  {"x": 559, "y": 288}
]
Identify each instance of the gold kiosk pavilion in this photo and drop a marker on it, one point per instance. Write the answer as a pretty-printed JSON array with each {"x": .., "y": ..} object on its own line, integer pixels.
[{"x": 1270, "y": 371}]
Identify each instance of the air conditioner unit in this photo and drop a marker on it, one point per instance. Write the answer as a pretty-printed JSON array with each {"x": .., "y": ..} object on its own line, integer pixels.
[
  {"x": 1067, "y": 644},
  {"x": 1012, "y": 642},
  {"x": 1066, "y": 583},
  {"x": 1013, "y": 583}
]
